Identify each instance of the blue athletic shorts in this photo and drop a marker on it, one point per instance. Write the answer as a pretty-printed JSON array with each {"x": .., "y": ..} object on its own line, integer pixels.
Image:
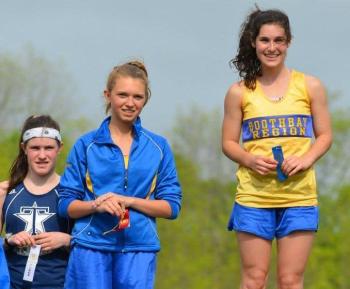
[
  {"x": 270, "y": 223},
  {"x": 94, "y": 269}
]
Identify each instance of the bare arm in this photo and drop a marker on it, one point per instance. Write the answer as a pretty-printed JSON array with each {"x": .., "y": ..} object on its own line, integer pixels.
[
  {"x": 231, "y": 130},
  {"x": 3, "y": 191},
  {"x": 115, "y": 204},
  {"x": 78, "y": 209},
  {"x": 322, "y": 129},
  {"x": 153, "y": 208},
  {"x": 321, "y": 119}
]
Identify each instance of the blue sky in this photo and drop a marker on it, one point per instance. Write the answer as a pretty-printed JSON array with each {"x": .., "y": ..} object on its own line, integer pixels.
[{"x": 186, "y": 45}]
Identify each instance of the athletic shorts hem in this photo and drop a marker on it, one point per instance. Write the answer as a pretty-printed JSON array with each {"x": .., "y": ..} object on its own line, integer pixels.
[
  {"x": 268, "y": 238},
  {"x": 291, "y": 231}
]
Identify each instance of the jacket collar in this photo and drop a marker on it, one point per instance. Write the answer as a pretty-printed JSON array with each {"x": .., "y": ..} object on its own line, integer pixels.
[{"x": 103, "y": 135}]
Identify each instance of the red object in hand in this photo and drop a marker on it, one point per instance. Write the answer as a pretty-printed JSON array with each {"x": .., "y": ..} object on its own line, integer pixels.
[{"x": 123, "y": 222}]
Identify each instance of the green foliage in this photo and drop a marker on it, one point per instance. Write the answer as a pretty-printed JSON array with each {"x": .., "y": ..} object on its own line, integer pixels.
[
  {"x": 197, "y": 250},
  {"x": 329, "y": 262},
  {"x": 338, "y": 156},
  {"x": 9, "y": 146},
  {"x": 197, "y": 136},
  {"x": 8, "y": 152}
]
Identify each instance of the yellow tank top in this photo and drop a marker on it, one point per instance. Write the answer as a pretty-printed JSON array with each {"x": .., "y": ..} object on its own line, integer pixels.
[{"x": 268, "y": 123}]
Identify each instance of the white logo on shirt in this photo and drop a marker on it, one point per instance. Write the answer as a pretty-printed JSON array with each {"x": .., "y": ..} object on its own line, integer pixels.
[{"x": 34, "y": 217}]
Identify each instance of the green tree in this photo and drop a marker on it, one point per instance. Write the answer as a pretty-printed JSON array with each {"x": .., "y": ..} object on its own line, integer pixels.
[
  {"x": 31, "y": 84},
  {"x": 197, "y": 250},
  {"x": 8, "y": 152},
  {"x": 329, "y": 263},
  {"x": 334, "y": 166},
  {"x": 196, "y": 135}
]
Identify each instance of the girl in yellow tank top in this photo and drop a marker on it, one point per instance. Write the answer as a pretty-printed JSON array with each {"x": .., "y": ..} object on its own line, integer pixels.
[
  {"x": 273, "y": 106},
  {"x": 267, "y": 123}
]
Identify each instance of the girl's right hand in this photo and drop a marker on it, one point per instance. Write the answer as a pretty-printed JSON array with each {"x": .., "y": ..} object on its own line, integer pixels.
[
  {"x": 262, "y": 165},
  {"x": 52, "y": 240},
  {"x": 21, "y": 239},
  {"x": 110, "y": 203}
]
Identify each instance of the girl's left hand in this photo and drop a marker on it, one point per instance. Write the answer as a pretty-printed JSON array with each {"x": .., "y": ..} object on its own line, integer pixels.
[
  {"x": 293, "y": 164},
  {"x": 52, "y": 240},
  {"x": 113, "y": 204}
]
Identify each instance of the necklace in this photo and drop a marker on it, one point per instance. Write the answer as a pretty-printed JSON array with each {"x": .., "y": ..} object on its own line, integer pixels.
[{"x": 276, "y": 98}]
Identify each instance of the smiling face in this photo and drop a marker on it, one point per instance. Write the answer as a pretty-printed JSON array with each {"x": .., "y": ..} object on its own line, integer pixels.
[
  {"x": 41, "y": 155},
  {"x": 271, "y": 45},
  {"x": 127, "y": 99}
]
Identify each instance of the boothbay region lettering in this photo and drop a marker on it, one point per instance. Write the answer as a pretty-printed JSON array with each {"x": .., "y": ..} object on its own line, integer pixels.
[{"x": 277, "y": 126}]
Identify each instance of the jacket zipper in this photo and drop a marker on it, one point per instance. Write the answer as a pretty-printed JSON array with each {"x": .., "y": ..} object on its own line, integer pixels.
[
  {"x": 125, "y": 186},
  {"x": 125, "y": 179}
]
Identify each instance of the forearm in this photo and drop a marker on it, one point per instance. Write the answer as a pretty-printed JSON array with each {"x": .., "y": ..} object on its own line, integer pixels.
[
  {"x": 319, "y": 148},
  {"x": 153, "y": 208},
  {"x": 3, "y": 190},
  {"x": 236, "y": 153},
  {"x": 1, "y": 218},
  {"x": 78, "y": 209}
]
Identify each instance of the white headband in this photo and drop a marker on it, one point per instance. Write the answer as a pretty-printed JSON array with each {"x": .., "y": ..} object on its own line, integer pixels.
[{"x": 41, "y": 132}]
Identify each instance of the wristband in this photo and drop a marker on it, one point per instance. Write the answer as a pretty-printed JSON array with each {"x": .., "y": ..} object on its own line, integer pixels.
[{"x": 6, "y": 242}]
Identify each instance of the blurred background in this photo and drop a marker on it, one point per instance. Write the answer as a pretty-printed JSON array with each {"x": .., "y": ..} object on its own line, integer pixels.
[{"x": 55, "y": 57}]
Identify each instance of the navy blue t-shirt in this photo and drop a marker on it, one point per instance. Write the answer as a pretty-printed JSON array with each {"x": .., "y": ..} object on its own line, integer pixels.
[{"x": 24, "y": 211}]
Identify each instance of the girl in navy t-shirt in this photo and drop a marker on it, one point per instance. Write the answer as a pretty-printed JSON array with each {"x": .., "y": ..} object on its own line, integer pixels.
[{"x": 29, "y": 209}]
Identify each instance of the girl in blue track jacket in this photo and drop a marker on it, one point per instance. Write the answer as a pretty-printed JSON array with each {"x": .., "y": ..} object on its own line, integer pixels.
[
  {"x": 118, "y": 180},
  {"x": 4, "y": 274}
]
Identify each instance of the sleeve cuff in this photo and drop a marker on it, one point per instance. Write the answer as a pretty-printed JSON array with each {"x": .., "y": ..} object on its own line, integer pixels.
[
  {"x": 175, "y": 209},
  {"x": 63, "y": 207}
]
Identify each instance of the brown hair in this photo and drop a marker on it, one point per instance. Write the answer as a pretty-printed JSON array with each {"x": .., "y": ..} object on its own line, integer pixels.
[
  {"x": 134, "y": 69},
  {"x": 246, "y": 62},
  {"x": 19, "y": 168}
]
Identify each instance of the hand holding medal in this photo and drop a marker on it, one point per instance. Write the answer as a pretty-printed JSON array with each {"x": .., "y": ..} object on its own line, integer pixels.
[
  {"x": 114, "y": 204},
  {"x": 124, "y": 222},
  {"x": 278, "y": 156}
]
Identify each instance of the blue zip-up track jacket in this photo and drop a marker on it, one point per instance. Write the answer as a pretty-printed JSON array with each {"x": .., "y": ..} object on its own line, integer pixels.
[{"x": 95, "y": 166}]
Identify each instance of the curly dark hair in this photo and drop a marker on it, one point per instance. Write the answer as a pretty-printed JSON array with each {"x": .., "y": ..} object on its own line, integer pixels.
[{"x": 246, "y": 62}]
